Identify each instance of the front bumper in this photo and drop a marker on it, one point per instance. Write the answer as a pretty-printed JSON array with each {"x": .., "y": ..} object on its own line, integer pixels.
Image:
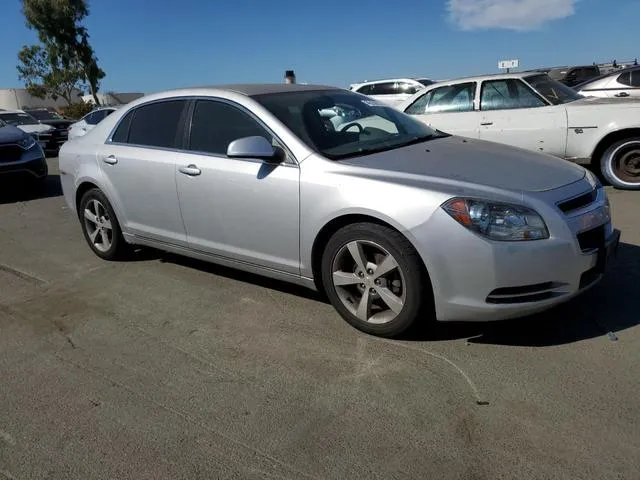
[
  {"x": 475, "y": 279},
  {"x": 32, "y": 164}
]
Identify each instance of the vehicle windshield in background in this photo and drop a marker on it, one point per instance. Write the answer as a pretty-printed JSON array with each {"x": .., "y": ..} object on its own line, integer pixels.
[
  {"x": 45, "y": 115},
  {"x": 554, "y": 91},
  {"x": 426, "y": 82},
  {"x": 341, "y": 124},
  {"x": 18, "y": 119}
]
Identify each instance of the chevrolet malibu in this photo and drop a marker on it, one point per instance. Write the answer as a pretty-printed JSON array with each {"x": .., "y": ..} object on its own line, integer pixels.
[{"x": 394, "y": 221}]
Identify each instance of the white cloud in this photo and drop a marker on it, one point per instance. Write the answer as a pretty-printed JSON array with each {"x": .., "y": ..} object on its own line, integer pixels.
[{"x": 507, "y": 14}]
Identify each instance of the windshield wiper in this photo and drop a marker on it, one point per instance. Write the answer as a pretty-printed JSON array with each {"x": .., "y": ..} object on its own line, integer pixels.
[{"x": 383, "y": 148}]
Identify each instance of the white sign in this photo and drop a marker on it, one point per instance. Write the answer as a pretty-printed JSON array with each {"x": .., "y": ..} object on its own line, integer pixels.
[{"x": 504, "y": 64}]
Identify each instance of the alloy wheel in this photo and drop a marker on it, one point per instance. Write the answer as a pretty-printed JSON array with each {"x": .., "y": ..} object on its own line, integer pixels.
[
  {"x": 369, "y": 282},
  {"x": 98, "y": 225}
]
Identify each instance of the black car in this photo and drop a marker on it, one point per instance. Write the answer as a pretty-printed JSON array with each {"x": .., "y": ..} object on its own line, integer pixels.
[
  {"x": 61, "y": 125},
  {"x": 21, "y": 156},
  {"x": 572, "y": 76}
]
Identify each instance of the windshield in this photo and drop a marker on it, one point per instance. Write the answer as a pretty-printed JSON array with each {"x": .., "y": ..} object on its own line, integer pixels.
[
  {"x": 45, "y": 115},
  {"x": 18, "y": 119},
  {"x": 556, "y": 92},
  {"x": 341, "y": 124}
]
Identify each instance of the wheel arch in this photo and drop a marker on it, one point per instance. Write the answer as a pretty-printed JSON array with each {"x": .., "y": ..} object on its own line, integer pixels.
[
  {"x": 608, "y": 140},
  {"x": 83, "y": 188},
  {"x": 335, "y": 224}
]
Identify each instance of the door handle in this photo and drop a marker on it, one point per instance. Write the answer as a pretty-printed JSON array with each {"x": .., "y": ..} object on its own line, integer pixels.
[
  {"x": 621, "y": 94},
  {"x": 191, "y": 170},
  {"x": 486, "y": 124},
  {"x": 111, "y": 160}
]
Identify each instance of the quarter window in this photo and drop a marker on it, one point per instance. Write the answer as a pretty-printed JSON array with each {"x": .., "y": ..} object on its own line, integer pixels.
[
  {"x": 216, "y": 124},
  {"x": 158, "y": 124},
  {"x": 508, "y": 94},
  {"x": 121, "y": 135}
]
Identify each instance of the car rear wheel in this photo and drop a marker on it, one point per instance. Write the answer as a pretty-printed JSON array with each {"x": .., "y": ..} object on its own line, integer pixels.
[
  {"x": 620, "y": 164},
  {"x": 100, "y": 226},
  {"x": 374, "y": 278}
]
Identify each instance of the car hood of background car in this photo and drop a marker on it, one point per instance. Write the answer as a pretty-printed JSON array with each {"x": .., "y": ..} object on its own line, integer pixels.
[
  {"x": 10, "y": 134},
  {"x": 604, "y": 101},
  {"x": 39, "y": 128},
  {"x": 476, "y": 161}
]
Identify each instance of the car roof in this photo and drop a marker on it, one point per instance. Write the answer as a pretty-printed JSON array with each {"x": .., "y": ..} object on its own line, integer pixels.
[
  {"x": 481, "y": 78},
  {"x": 384, "y": 80},
  {"x": 251, "y": 89}
]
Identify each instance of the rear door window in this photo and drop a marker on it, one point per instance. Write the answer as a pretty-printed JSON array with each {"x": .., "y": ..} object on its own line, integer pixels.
[
  {"x": 385, "y": 88},
  {"x": 158, "y": 124}
]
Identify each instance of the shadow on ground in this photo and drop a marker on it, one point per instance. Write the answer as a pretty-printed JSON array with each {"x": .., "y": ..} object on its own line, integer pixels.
[
  {"x": 610, "y": 307},
  {"x": 22, "y": 190}
]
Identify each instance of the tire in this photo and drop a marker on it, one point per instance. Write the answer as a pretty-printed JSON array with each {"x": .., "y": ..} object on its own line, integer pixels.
[
  {"x": 404, "y": 290},
  {"x": 620, "y": 164},
  {"x": 111, "y": 247}
]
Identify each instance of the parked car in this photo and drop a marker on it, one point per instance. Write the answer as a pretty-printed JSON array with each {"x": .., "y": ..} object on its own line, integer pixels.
[
  {"x": 622, "y": 84},
  {"x": 89, "y": 121},
  {"x": 571, "y": 76},
  {"x": 19, "y": 118},
  {"x": 391, "y": 91},
  {"x": 60, "y": 132},
  {"x": 20, "y": 155},
  {"x": 392, "y": 219},
  {"x": 532, "y": 111}
]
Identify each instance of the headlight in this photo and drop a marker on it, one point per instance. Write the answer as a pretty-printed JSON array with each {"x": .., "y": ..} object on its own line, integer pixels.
[
  {"x": 594, "y": 180},
  {"x": 497, "y": 221},
  {"x": 27, "y": 142}
]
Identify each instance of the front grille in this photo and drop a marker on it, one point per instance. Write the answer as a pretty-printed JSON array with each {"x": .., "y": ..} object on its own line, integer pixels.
[
  {"x": 578, "y": 202},
  {"x": 524, "y": 294},
  {"x": 592, "y": 239},
  {"x": 10, "y": 153}
]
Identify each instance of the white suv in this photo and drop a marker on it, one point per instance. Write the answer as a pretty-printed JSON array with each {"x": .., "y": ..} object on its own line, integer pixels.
[{"x": 391, "y": 91}]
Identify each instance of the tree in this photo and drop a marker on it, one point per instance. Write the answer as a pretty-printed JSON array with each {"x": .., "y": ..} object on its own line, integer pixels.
[
  {"x": 59, "y": 28},
  {"x": 45, "y": 75}
]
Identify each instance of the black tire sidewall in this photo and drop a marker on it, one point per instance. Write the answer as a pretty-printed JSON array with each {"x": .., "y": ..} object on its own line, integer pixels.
[
  {"x": 408, "y": 261},
  {"x": 117, "y": 244},
  {"x": 607, "y": 166}
]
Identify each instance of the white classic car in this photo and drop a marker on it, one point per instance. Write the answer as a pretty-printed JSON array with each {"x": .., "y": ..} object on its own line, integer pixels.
[{"x": 532, "y": 111}]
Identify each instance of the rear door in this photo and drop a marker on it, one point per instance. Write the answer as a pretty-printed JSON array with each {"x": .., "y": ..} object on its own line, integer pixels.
[
  {"x": 139, "y": 166},
  {"x": 513, "y": 114},
  {"x": 449, "y": 109}
]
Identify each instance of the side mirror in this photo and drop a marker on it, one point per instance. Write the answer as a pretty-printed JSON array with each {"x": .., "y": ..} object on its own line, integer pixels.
[{"x": 253, "y": 147}]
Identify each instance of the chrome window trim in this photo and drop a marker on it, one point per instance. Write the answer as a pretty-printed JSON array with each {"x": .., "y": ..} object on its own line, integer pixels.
[{"x": 290, "y": 159}]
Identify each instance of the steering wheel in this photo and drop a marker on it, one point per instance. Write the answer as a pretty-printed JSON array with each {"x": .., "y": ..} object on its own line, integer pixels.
[{"x": 352, "y": 124}]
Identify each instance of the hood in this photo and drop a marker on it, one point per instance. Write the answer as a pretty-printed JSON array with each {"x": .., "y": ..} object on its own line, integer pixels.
[
  {"x": 600, "y": 101},
  {"x": 57, "y": 123},
  {"x": 10, "y": 134},
  {"x": 478, "y": 162},
  {"x": 36, "y": 128}
]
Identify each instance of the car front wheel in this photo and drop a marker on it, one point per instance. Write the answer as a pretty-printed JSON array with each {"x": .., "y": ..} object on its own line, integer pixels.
[
  {"x": 620, "y": 164},
  {"x": 374, "y": 278},
  {"x": 100, "y": 226}
]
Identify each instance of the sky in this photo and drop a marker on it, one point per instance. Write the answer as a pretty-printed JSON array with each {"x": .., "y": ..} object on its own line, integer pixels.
[{"x": 147, "y": 46}]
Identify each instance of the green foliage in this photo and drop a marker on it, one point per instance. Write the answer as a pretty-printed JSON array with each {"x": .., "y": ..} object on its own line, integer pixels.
[
  {"x": 45, "y": 75},
  {"x": 76, "y": 110},
  {"x": 59, "y": 27}
]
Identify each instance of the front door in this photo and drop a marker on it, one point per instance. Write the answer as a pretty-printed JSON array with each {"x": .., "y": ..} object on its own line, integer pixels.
[
  {"x": 513, "y": 114},
  {"x": 241, "y": 209},
  {"x": 449, "y": 109},
  {"x": 139, "y": 168}
]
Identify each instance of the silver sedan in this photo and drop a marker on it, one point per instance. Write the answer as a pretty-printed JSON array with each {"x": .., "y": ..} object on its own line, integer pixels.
[{"x": 394, "y": 221}]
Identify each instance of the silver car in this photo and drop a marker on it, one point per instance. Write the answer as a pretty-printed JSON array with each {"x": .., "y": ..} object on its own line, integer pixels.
[{"x": 394, "y": 221}]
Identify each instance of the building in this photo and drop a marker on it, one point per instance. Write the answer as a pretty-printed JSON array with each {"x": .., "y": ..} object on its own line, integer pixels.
[{"x": 19, "y": 98}]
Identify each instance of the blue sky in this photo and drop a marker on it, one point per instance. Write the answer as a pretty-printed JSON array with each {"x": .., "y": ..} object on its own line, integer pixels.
[{"x": 194, "y": 42}]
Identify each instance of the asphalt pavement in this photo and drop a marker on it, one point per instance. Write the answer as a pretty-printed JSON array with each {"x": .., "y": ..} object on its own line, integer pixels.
[{"x": 168, "y": 368}]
